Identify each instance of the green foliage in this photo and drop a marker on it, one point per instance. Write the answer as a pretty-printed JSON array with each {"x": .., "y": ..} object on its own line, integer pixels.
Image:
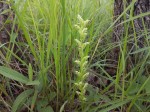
[
  {"x": 42, "y": 106},
  {"x": 45, "y": 44},
  {"x": 12, "y": 74},
  {"x": 21, "y": 99}
]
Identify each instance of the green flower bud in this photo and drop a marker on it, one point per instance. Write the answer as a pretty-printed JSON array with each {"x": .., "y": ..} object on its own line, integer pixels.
[{"x": 78, "y": 62}]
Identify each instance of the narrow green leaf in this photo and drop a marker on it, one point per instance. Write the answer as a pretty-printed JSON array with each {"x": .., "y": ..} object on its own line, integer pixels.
[
  {"x": 62, "y": 107},
  {"x": 5, "y": 11},
  {"x": 21, "y": 99},
  {"x": 34, "y": 99},
  {"x": 36, "y": 82},
  {"x": 147, "y": 88},
  {"x": 141, "y": 50},
  {"x": 12, "y": 74},
  {"x": 107, "y": 109},
  {"x": 30, "y": 72},
  {"x": 2, "y": 89}
]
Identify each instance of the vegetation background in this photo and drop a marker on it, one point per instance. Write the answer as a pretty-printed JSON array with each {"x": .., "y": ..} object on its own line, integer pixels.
[{"x": 74, "y": 55}]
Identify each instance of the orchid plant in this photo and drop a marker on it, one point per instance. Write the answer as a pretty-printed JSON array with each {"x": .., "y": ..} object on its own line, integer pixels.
[{"x": 82, "y": 61}]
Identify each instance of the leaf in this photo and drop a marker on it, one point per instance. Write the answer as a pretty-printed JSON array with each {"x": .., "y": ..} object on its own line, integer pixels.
[
  {"x": 36, "y": 82},
  {"x": 30, "y": 72},
  {"x": 2, "y": 89},
  {"x": 13, "y": 37},
  {"x": 133, "y": 89},
  {"x": 41, "y": 103},
  {"x": 34, "y": 99},
  {"x": 140, "y": 106},
  {"x": 141, "y": 50},
  {"x": 147, "y": 88},
  {"x": 1, "y": 45},
  {"x": 5, "y": 11},
  {"x": 21, "y": 99},
  {"x": 113, "y": 106},
  {"x": 12, "y": 74},
  {"x": 47, "y": 109},
  {"x": 52, "y": 95},
  {"x": 62, "y": 107},
  {"x": 42, "y": 106}
]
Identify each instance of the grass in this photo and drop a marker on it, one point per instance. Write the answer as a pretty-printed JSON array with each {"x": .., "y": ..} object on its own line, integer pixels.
[{"x": 38, "y": 63}]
